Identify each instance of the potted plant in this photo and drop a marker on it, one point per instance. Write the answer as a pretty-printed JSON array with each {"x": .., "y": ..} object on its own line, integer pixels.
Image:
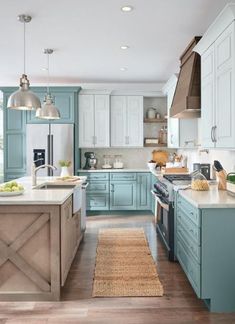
[{"x": 64, "y": 164}]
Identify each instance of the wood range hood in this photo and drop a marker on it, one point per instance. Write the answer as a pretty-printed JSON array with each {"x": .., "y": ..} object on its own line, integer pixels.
[{"x": 187, "y": 98}]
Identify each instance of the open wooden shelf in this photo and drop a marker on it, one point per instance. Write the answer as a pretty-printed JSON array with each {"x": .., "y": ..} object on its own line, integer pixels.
[
  {"x": 155, "y": 120},
  {"x": 155, "y": 145}
]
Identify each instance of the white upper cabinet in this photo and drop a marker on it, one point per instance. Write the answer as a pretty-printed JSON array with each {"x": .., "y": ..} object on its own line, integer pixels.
[
  {"x": 127, "y": 121},
  {"x": 224, "y": 101},
  {"x": 102, "y": 123},
  {"x": 94, "y": 121},
  {"x": 182, "y": 133},
  {"x": 135, "y": 120},
  {"x": 217, "y": 81},
  {"x": 86, "y": 121}
]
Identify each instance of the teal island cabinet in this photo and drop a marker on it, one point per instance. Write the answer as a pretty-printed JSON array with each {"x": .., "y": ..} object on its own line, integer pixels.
[
  {"x": 118, "y": 191},
  {"x": 204, "y": 241},
  {"x": 66, "y": 99}
]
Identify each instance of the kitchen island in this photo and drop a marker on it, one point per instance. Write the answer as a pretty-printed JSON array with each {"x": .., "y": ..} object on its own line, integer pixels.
[{"x": 39, "y": 235}]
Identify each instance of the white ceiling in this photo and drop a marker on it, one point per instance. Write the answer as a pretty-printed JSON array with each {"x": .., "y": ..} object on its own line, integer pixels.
[{"x": 87, "y": 35}]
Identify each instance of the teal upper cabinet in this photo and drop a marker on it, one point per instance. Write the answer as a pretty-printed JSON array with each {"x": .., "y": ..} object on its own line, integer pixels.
[
  {"x": 65, "y": 101},
  {"x": 143, "y": 191},
  {"x": 217, "y": 50},
  {"x": 127, "y": 121},
  {"x": 14, "y": 140}
]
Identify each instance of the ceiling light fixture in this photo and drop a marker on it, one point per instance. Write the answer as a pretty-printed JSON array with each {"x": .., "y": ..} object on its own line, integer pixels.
[
  {"x": 124, "y": 47},
  {"x": 127, "y": 8},
  {"x": 123, "y": 69},
  {"x": 48, "y": 110},
  {"x": 23, "y": 98}
]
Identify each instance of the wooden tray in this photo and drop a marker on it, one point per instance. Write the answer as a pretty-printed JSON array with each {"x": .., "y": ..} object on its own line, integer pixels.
[{"x": 174, "y": 170}]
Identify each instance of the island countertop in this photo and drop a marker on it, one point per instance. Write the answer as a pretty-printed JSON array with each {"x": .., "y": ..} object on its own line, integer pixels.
[
  {"x": 212, "y": 198},
  {"x": 36, "y": 196}
]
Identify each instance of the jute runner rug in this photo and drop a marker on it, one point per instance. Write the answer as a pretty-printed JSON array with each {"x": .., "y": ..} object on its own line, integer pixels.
[{"x": 124, "y": 265}]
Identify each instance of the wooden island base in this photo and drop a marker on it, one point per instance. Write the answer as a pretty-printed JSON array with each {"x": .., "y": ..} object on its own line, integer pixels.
[{"x": 37, "y": 247}]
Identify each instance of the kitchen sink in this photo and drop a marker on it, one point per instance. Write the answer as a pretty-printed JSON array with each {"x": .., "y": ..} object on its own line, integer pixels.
[
  {"x": 77, "y": 193},
  {"x": 55, "y": 186}
]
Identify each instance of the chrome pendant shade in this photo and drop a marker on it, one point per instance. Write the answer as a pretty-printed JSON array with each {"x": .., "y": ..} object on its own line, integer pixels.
[
  {"x": 48, "y": 110},
  {"x": 23, "y": 98}
]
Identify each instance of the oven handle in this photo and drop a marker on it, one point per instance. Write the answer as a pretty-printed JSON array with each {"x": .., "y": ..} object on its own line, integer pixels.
[{"x": 162, "y": 204}]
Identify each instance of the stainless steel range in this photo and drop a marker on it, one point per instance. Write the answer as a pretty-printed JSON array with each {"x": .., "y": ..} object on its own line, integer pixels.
[{"x": 164, "y": 209}]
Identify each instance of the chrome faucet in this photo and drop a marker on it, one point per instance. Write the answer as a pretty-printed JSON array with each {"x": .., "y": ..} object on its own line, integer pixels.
[{"x": 35, "y": 170}]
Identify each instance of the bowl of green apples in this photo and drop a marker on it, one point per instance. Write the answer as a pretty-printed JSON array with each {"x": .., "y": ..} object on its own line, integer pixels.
[{"x": 11, "y": 189}]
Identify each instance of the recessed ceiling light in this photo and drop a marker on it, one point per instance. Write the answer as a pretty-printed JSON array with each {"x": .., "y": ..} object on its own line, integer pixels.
[
  {"x": 127, "y": 8},
  {"x": 124, "y": 47},
  {"x": 44, "y": 69},
  {"x": 123, "y": 69}
]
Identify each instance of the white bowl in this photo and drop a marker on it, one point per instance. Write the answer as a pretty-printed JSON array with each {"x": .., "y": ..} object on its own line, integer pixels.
[{"x": 152, "y": 165}]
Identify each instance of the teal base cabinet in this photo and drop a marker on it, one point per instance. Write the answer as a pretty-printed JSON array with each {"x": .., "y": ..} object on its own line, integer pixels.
[
  {"x": 152, "y": 198},
  {"x": 118, "y": 191},
  {"x": 143, "y": 191},
  {"x": 123, "y": 195},
  {"x": 205, "y": 242}
]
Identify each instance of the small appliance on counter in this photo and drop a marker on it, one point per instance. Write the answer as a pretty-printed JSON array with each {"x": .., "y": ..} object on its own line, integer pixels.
[
  {"x": 203, "y": 168},
  {"x": 91, "y": 161},
  {"x": 231, "y": 183}
]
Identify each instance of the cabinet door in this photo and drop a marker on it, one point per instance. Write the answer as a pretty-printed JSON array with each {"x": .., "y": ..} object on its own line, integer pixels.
[
  {"x": 207, "y": 98},
  {"x": 14, "y": 142},
  {"x": 135, "y": 121},
  {"x": 118, "y": 121},
  {"x": 123, "y": 195},
  {"x": 143, "y": 191},
  {"x": 86, "y": 121},
  {"x": 65, "y": 103},
  {"x": 224, "y": 113},
  {"x": 102, "y": 121}
]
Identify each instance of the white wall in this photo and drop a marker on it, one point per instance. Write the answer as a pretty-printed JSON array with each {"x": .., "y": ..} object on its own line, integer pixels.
[{"x": 226, "y": 157}]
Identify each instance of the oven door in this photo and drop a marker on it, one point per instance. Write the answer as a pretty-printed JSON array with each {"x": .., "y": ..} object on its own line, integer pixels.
[{"x": 162, "y": 217}]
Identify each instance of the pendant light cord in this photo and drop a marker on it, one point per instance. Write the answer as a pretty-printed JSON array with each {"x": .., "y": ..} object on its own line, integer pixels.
[
  {"x": 24, "y": 49},
  {"x": 48, "y": 74}
]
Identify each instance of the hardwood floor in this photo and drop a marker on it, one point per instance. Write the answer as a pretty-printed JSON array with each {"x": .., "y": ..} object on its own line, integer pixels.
[{"x": 178, "y": 305}]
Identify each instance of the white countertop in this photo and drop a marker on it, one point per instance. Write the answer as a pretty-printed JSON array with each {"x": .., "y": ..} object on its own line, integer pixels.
[
  {"x": 33, "y": 196},
  {"x": 115, "y": 170},
  {"x": 213, "y": 198}
]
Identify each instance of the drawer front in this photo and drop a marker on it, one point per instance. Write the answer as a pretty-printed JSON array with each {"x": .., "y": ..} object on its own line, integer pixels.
[
  {"x": 192, "y": 247},
  {"x": 96, "y": 176},
  {"x": 97, "y": 201},
  {"x": 123, "y": 176},
  {"x": 190, "y": 267},
  {"x": 191, "y": 229},
  {"x": 192, "y": 212},
  {"x": 98, "y": 187}
]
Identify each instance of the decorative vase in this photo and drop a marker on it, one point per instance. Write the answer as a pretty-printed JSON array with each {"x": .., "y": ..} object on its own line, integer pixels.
[{"x": 64, "y": 171}]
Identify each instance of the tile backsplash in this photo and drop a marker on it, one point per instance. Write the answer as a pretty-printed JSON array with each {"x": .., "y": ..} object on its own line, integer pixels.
[
  {"x": 226, "y": 157},
  {"x": 135, "y": 158}
]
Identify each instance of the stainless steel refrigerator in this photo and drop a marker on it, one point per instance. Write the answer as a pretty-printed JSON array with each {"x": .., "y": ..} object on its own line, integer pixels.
[{"x": 55, "y": 140}]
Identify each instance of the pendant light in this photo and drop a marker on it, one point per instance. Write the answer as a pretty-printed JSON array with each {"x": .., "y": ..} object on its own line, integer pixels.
[
  {"x": 23, "y": 98},
  {"x": 48, "y": 110}
]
